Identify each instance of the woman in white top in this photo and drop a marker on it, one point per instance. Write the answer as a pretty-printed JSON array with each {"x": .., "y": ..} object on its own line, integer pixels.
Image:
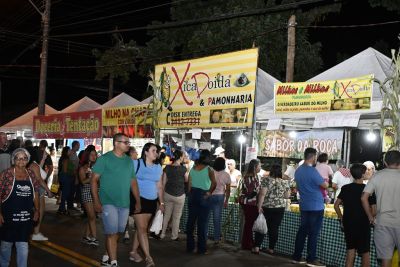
[
  {"x": 341, "y": 177},
  {"x": 234, "y": 173}
]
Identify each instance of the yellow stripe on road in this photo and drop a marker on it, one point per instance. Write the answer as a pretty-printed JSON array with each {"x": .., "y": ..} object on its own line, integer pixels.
[{"x": 66, "y": 254}]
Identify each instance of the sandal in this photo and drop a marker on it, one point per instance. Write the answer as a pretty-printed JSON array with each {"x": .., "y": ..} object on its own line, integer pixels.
[
  {"x": 134, "y": 256},
  {"x": 255, "y": 251},
  {"x": 149, "y": 262}
]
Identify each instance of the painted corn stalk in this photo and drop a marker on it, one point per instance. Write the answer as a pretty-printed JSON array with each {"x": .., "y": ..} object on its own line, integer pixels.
[{"x": 390, "y": 89}]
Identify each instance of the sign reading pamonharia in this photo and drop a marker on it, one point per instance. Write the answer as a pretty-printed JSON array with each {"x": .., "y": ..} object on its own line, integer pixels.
[
  {"x": 215, "y": 91},
  {"x": 347, "y": 94}
]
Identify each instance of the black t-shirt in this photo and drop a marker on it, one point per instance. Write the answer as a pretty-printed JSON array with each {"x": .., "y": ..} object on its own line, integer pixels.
[
  {"x": 47, "y": 161},
  {"x": 354, "y": 213},
  {"x": 175, "y": 185}
]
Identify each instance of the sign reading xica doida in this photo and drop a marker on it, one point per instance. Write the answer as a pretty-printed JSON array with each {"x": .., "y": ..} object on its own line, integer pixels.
[
  {"x": 281, "y": 144},
  {"x": 215, "y": 91},
  {"x": 86, "y": 124},
  {"x": 348, "y": 94}
]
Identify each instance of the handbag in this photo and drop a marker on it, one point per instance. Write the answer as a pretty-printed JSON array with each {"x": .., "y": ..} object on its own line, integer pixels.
[
  {"x": 54, "y": 188},
  {"x": 157, "y": 223}
]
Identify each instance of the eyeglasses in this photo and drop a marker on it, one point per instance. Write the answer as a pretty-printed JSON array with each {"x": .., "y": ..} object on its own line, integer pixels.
[
  {"x": 19, "y": 159},
  {"x": 125, "y": 142}
]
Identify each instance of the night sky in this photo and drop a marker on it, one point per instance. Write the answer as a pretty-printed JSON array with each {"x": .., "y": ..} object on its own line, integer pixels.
[{"x": 20, "y": 27}]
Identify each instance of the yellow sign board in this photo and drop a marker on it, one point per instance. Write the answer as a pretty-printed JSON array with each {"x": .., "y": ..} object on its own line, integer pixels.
[
  {"x": 124, "y": 115},
  {"x": 347, "y": 94},
  {"x": 215, "y": 91}
]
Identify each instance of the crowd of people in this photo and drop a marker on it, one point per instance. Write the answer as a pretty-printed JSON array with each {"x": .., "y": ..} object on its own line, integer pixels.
[{"x": 120, "y": 184}]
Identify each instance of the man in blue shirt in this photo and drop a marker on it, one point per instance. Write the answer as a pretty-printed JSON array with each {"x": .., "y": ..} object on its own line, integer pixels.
[{"x": 309, "y": 182}]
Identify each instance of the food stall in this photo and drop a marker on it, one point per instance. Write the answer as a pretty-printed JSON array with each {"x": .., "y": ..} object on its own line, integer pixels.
[{"x": 201, "y": 101}]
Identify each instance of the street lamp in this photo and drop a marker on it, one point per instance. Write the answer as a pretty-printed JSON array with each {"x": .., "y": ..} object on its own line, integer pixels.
[
  {"x": 371, "y": 136},
  {"x": 242, "y": 140}
]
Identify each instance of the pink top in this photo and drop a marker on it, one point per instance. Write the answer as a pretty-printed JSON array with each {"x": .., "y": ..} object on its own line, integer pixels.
[
  {"x": 222, "y": 178},
  {"x": 324, "y": 170}
]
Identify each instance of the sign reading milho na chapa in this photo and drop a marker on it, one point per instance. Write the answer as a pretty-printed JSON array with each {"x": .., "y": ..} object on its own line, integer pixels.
[
  {"x": 337, "y": 95},
  {"x": 281, "y": 144},
  {"x": 86, "y": 124},
  {"x": 214, "y": 91}
]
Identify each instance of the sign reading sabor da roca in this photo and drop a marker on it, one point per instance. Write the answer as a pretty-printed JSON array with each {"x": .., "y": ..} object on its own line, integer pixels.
[{"x": 281, "y": 144}]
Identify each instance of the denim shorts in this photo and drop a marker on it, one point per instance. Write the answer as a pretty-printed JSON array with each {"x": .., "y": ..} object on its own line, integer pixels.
[{"x": 114, "y": 219}]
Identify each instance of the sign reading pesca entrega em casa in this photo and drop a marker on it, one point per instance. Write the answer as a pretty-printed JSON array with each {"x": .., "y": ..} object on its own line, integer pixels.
[
  {"x": 215, "y": 91},
  {"x": 281, "y": 144},
  {"x": 86, "y": 124},
  {"x": 339, "y": 95}
]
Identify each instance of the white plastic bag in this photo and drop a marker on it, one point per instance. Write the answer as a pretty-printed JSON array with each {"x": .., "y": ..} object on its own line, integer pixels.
[
  {"x": 157, "y": 223},
  {"x": 260, "y": 225}
]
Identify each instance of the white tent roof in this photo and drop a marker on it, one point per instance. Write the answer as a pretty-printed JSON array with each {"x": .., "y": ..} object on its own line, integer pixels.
[
  {"x": 264, "y": 88},
  {"x": 121, "y": 100},
  {"x": 369, "y": 61},
  {"x": 25, "y": 122},
  {"x": 83, "y": 104},
  {"x": 147, "y": 100},
  {"x": 364, "y": 63}
]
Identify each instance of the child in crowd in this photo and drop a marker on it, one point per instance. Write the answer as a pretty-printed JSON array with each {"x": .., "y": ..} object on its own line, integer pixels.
[
  {"x": 354, "y": 221},
  {"x": 326, "y": 172}
]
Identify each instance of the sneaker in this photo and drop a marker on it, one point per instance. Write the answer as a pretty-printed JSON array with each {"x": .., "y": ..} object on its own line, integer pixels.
[
  {"x": 105, "y": 263},
  {"x": 315, "y": 263},
  {"x": 39, "y": 237},
  {"x": 86, "y": 240},
  {"x": 134, "y": 256},
  {"x": 94, "y": 242},
  {"x": 114, "y": 264},
  {"x": 301, "y": 261}
]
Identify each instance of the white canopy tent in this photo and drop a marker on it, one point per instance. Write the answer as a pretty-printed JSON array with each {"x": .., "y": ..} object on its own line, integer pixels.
[
  {"x": 24, "y": 123},
  {"x": 84, "y": 104},
  {"x": 121, "y": 100},
  {"x": 369, "y": 61}
]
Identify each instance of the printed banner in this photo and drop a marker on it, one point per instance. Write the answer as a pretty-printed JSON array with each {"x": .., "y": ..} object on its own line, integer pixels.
[
  {"x": 348, "y": 94},
  {"x": 280, "y": 144},
  {"x": 86, "y": 124},
  {"x": 215, "y": 91},
  {"x": 125, "y": 119},
  {"x": 387, "y": 138}
]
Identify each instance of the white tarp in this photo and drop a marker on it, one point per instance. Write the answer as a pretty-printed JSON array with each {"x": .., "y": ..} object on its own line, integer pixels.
[
  {"x": 121, "y": 100},
  {"x": 369, "y": 61},
  {"x": 25, "y": 121},
  {"x": 84, "y": 104}
]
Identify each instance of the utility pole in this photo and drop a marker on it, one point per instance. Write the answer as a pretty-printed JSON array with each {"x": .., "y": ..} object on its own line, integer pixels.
[
  {"x": 44, "y": 56},
  {"x": 0, "y": 105},
  {"x": 291, "y": 48}
]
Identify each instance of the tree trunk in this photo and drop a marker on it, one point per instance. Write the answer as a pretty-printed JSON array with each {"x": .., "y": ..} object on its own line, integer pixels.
[{"x": 110, "y": 87}]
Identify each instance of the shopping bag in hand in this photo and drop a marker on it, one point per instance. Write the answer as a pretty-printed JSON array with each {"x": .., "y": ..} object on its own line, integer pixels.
[
  {"x": 156, "y": 225},
  {"x": 260, "y": 225}
]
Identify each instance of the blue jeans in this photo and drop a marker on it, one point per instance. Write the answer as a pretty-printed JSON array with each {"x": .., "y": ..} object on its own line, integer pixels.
[
  {"x": 199, "y": 208},
  {"x": 114, "y": 219},
  {"x": 310, "y": 226},
  {"x": 22, "y": 253},
  {"x": 66, "y": 182},
  {"x": 217, "y": 204}
]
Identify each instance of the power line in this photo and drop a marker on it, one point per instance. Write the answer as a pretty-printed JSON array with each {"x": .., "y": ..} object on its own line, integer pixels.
[
  {"x": 117, "y": 15},
  {"x": 149, "y": 59},
  {"x": 186, "y": 23},
  {"x": 348, "y": 26}
]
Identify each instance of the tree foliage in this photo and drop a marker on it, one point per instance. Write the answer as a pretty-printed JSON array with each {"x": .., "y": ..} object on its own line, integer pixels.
[
  {"x": 268, "y": 32},
  {"x": 118, "y": 61}
]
